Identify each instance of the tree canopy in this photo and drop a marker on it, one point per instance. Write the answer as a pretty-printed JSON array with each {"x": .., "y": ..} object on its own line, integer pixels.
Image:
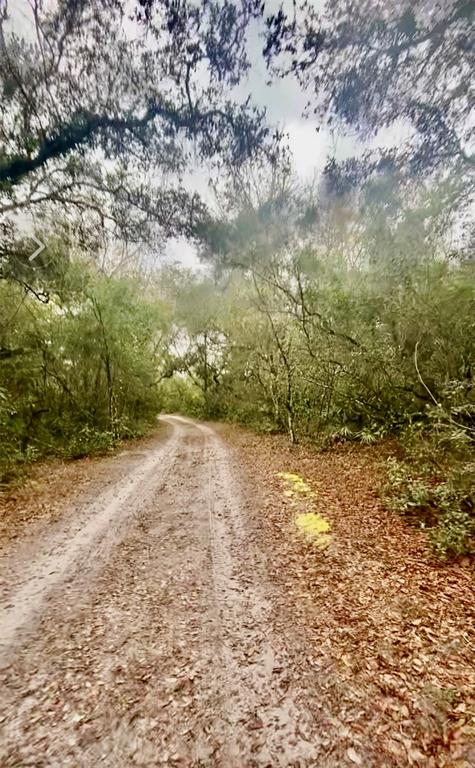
[
  {"x": 370, "y": 65},
  {"x": 106, "y": 105}
]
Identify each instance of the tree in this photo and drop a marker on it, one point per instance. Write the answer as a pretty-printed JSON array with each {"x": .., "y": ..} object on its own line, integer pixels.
[
  {"x": 196, "y": 340},
  {"x": 349, "y": 298},
  {"x": 81, "y": 371},
  {"x": 373, "y": 64},
  {"x": 108, "y": 100}
]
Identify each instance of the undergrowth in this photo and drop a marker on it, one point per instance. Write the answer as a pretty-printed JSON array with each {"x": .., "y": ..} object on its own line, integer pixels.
[{"x": 434, "y": 485}]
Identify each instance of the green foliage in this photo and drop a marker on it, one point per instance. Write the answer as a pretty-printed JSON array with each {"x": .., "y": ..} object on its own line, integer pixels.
[
  {"x": 406, "y": 493},
  {"x": 452, "y": 535},
  {"x": 445, "y": 505},
  {"x": 88, "y": 441},
  {"x": 180, "y": 395},
  {"x": 80, "y": 371},
  {"x": 345, "y": 315},
  {"x": 435, "y": 485},
  {"x": 359, "y": 327}
]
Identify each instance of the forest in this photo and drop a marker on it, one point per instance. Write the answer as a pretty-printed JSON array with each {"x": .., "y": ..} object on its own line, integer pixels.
[{"x": 335, "y": 308}]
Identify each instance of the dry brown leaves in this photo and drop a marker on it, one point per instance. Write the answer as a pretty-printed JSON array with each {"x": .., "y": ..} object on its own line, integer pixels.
[{"x": 393, "y": 629}]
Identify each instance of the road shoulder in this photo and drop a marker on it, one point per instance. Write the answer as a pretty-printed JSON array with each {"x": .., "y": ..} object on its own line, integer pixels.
[{"x": 392, "y": 630}]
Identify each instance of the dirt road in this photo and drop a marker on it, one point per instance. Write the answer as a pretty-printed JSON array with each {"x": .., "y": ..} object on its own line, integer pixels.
[{"x": 136, "y": 630}]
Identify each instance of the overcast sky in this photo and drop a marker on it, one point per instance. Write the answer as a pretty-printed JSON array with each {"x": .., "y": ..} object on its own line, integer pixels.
[{"x": 284, "y": 102}]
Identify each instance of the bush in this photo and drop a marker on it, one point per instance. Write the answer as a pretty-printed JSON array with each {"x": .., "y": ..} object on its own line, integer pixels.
[
  {"x": 181, "y": 395},
  {"x": 446, "y": 506},
  {"x": 88, "y": 441},
  {"x": 79, "y": 372}
]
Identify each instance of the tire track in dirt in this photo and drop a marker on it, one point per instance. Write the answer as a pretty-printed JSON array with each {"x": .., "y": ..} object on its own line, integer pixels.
[
  {"x": 96, "y": 530},
  {"x": 151, "y": 643},
  {"x": 262, "y": 717}
]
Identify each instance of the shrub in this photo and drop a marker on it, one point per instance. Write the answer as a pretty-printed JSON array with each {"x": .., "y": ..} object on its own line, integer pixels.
[
  {"x": 89, "y": 441},
  {"x": 446, "y": 506}
]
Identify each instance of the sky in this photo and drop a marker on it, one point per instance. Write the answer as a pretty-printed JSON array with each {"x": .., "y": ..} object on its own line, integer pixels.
[{"x": 284, "y": 102}]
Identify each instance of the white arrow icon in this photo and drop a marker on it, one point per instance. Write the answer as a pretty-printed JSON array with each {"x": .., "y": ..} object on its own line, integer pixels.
[{"x": 41, "y": 247}]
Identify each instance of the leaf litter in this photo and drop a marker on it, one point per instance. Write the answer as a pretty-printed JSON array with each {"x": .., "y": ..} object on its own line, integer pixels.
[
  {"x": 393, "y": 628},
  {"x": 381, "y": 633}
]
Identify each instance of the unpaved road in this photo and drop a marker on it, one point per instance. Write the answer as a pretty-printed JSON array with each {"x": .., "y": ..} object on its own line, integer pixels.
[{"x": 136, "y": 630}]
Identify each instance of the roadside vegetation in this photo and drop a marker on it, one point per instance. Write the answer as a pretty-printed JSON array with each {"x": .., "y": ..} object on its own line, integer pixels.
[{"x": 80, "y": 370}]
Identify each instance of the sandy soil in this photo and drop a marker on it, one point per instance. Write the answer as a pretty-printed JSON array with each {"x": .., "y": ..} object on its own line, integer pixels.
[{"x": 137, "y": 626}]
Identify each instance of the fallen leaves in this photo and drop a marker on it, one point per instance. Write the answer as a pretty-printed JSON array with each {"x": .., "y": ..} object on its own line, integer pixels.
[
  {"x": 354, "y": 756},
  {"x": 393, "y": 629}
]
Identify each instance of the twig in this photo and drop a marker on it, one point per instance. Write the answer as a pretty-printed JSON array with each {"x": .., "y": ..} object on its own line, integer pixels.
[{"x": 420, "y": 376}]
